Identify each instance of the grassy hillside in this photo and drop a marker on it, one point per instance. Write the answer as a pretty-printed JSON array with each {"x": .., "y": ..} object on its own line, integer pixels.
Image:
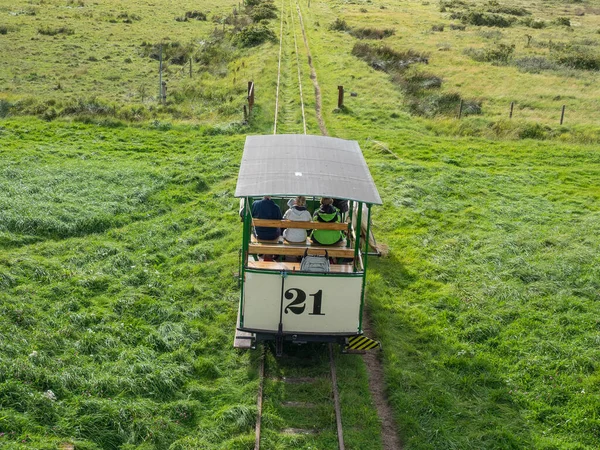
[{"x": 119, "y": 234}]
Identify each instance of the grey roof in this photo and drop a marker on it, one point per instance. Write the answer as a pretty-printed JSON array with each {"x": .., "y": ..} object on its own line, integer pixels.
[{"x": 297, "y": 164}]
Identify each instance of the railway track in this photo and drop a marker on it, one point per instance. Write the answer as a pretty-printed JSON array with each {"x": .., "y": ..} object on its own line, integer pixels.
[
  {"x": 300, "y": 387},
  {"x": 301, "y": 390}
]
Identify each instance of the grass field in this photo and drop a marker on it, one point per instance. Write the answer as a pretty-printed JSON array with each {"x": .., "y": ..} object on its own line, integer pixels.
[{"x": 119, "y": 235}]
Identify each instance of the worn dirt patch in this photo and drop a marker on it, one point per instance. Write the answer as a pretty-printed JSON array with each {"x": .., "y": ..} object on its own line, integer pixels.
[{"x": 389, "y": 429}]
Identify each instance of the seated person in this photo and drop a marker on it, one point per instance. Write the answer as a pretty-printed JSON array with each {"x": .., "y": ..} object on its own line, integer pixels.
[
  {"x": 266, "y": 209},
  {"x": 340, "y": 204},
  {"x": 329, "y": 214},
  {"x": 297, "y": 212}
]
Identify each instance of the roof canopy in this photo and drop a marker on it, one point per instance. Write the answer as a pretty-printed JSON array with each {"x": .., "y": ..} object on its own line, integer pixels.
[{"x": 313, "y": 166}]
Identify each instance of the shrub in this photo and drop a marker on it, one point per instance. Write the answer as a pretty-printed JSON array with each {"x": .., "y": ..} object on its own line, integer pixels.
[
  {"x": 264, "y": 11},
  {"x": 48, "y": 31},
  {"x": 534, "y": 131},
  {"x": 564, "y": 21},
  {"x": 3, "y": 29},
  {"x": 483, "y": 19},
  {"x": 419, "y": 81},
  {"x": 371, "y": 33},
  {"x": 339, "y": 25},
  {"x": 437, "y": 27},
  {"x": 495, "y": 7},
  {"x": 576, "y": 58},
  {"x": 128, "y": 18},
  {"x": 534, "y": 64},
  {"x": 537, "y": 24},
  {"x": 254, "y": 35},
  {"x": 499, "y": 54},
  {"x": 198, "y": 15},
  {"x": 451, "y": 4},
  {"x": 387, "y": 59},
  {"x": 457, "y": 26},
  {"x": 5, "y": 108},
  {"x": 443, "y": 104}
]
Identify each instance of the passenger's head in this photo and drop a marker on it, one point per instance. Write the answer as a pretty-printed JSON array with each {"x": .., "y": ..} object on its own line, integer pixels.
[
  {"x": 300, "y": 201},
  {"x": 326, "y": 201}
]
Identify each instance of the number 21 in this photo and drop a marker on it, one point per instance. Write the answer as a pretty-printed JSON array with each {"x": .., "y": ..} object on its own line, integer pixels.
[{"x": 298, "y": 297}]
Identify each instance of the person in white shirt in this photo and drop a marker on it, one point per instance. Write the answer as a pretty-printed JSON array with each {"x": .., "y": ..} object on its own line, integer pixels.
[{"x": 298, "y": 213}]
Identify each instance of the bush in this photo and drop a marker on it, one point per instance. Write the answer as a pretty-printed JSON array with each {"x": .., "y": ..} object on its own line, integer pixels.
[
  {"x": 534, "y": 131},
  {"x": 495, "y": 7},
  {"x": 48, "y": 31},
  {"x": 419, "y": 81},
  {"x": 371, "y": 33},
  {"x": 451, "y": 4},
  {"x": 483, "y": 19},
  {"x": 264, "y": 11},
  {"x": 576, "y": 58},
  {"x": 537, "y": 24},
  {"x": 534, "y": 64},
  {"x": 443, "y": 104},
  {"x": 457, "y": 26},
  {"x": 339, "y": 25},
  {"x": 198, "y": 15},
  {"x": 5, "y": 108},
  {"x": 437, "y": 27},
  {"x": 3, "y": 29},
  {"x": 563, "y": 21},
  {"x": 498, "y": 54},
  {"x": 387, "y": 59},
  {"x": 254, "y": 35}
]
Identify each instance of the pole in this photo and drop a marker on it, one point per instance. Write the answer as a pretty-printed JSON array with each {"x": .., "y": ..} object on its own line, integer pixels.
[
  {"x": 460, "y": 109},
  {"x": 190, "y": 67},
  {"x": 562, "y": 114},
  {"x": 340, "y": 97},
  {"x": 512, "y": 105},
  {"x": 160, "y": 85}
]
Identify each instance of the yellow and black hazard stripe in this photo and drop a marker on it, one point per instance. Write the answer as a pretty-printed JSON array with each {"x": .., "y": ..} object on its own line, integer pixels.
[{"x": 362, "y": 343}]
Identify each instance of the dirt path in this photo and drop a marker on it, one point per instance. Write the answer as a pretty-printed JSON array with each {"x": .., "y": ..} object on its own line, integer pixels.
[
  {"x": 389, "y": 429},
  {"x": 313, "y": 77}
]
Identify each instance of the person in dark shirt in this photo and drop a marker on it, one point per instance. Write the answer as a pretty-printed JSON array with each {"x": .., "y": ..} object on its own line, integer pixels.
[{"x": 266, "y": 209}]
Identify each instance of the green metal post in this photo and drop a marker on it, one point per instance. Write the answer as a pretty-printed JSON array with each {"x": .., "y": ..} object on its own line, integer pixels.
[
  {"x": 357, "y": 234},
  {"x": 350, "y": 208},
  {"x": 364, "y": 281},
  {"x": 245, "y": 243}
]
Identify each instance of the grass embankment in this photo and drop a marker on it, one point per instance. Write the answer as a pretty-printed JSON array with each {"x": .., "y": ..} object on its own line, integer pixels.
[{"x": 118, "y": 300}]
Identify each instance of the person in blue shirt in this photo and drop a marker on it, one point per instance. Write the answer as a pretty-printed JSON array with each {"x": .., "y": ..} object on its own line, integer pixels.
[{"x": 266, "y": 209}]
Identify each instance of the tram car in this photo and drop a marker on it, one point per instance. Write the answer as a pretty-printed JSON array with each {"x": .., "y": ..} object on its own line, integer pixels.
[{"x": 282, "y": 297}]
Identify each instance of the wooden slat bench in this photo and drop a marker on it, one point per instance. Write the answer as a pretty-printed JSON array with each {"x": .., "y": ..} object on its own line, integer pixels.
[
  {"x": 283, "y": 247},
  {"x": 291, "y": 266},
  {"x": 298, "y": 250}
]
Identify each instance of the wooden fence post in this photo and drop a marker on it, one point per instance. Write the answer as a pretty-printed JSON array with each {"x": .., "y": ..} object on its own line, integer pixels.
[
  {"x": 512, "y": 106},
  {"x": 460, "y": 109},
  {"x": 562, "y": 114},
  {"x": 340, "y": 97},
  {"x": 250, "y": 95}
]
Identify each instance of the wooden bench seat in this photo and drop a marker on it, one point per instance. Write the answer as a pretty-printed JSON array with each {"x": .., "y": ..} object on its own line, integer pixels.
[
  {"x": 292, "y": 266},
  {"x": 260, "y": 248},
  {"x": 297, "y": 224}
]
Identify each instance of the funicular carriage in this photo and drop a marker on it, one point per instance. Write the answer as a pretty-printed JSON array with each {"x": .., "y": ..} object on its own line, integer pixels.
[{"x": 279, "y": 301}]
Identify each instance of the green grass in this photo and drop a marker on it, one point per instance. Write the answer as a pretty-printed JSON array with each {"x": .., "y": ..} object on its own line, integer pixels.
[{"x": 119, "y": 242}]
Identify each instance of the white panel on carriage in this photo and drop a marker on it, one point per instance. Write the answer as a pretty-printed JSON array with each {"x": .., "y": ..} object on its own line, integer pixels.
[
  {"x": 262, "y": 294},
  {"x": 311, "y": 304},
  {"x": 316, "y": 166}
]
